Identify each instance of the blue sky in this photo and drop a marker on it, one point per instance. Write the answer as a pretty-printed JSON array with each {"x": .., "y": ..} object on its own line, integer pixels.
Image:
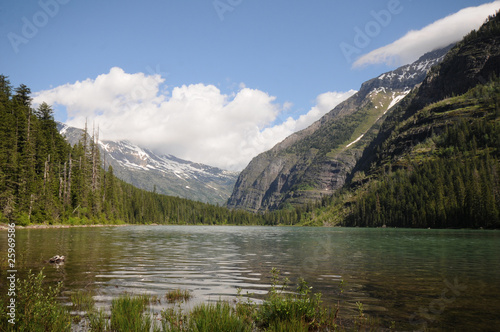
[{"x": 259, "y": 63}]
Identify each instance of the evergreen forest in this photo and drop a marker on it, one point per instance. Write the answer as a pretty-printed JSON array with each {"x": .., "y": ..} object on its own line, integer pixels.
[{"x": 44, "y": 180}]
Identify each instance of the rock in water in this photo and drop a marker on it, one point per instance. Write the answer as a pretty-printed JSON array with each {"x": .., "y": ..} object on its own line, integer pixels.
[{"x": 57, "y": 259}]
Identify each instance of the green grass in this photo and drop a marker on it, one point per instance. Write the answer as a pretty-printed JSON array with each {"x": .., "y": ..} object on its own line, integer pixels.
[
  {"x": 82, "y": 300},
  {"x": 364, "y": 126},
  {"x": 218, "y": 317},
  {"x": 282, "y": 310},
  {"x": 127, "y": 314},
  {"x": 292, "y": 325},
  {"x": 98, "y": 321},
  {"x": 372, "y": 114},
  {"x": 177, "y": 295}
]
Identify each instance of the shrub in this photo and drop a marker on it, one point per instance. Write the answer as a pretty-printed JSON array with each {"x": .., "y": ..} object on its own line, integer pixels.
[
  {"x": 37, "y": 307},
  {"x": 282, "y": 309}
]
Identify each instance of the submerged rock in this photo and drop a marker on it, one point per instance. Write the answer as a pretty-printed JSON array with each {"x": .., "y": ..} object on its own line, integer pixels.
[{"x": 57, "y": 259}]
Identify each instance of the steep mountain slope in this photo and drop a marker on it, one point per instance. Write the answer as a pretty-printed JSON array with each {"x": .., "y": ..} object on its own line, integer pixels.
[
  {"x": 165, "y": 173},
  {"x": 316, "y": 161},
  {"x": 471, "y": 62},
  {"x": 436, "y": 159}
]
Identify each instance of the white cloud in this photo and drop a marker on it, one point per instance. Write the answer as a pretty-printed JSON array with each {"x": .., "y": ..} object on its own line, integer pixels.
[
  {"x": 324, "y": 103},
  {"x": 434, "y": 36},
  {"x": 195, "y": 122}
]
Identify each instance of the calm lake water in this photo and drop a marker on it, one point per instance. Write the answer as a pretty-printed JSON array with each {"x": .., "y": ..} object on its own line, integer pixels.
[{"x": 443, "y": 279}]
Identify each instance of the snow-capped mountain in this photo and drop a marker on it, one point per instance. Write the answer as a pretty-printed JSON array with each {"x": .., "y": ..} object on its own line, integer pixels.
[
  {"x": 166, "y": 174},
  {"x": 408, "y": 76}
]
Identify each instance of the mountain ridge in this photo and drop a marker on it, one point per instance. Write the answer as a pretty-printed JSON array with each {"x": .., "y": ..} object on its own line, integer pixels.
[
  {"x": 477, "y": 58},
  {"x": 436, "y": 159},
  {"x": 316, "y": 161}
]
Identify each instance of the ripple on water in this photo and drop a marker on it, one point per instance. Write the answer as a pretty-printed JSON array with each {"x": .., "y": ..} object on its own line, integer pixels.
[{"x": 394, "y": 273}]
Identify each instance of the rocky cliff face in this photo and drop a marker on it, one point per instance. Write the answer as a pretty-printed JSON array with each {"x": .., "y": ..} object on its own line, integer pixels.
[
  {"x": 317, "y": 160},
  {"x": 167, "y": 174}
]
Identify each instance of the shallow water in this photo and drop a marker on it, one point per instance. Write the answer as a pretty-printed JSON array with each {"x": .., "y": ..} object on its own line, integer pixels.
[{"x": 444, "y": 279}]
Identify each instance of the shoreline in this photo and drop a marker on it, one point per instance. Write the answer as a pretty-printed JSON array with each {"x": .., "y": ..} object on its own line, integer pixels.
[{"x": 4, "y": 227}]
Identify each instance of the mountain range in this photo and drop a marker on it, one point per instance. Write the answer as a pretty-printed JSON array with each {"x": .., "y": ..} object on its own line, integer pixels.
[
  {"x": 165, "y": 174},
  {"x": 390, "y": 143}
]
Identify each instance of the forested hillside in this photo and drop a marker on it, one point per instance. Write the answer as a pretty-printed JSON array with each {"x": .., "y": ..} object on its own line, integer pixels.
[
  {"x": 449, "y": 179},
  {"x": 436, "y": 160},
  {"x": 43, "y": 179}
]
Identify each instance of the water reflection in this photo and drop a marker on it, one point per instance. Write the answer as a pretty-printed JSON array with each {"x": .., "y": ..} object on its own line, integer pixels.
[{"x": 395, "y": 273}]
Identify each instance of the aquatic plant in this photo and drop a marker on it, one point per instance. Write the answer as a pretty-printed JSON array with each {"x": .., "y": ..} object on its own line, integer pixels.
[
  {"x": 284, "y": 309},
  {"x": 220, "y": 316},
  {"x": 173, "y": 320},
  {"x": 127, "y": 314},
  {"x": 178, "y": 295},
  {"x": 38, "y": 309},
  {"x": 82, "y": 300},
  {"x": 98, "y": 321}
]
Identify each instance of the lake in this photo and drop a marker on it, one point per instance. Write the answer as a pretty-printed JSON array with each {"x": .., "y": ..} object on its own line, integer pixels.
[{"x": 443, "y": 279}]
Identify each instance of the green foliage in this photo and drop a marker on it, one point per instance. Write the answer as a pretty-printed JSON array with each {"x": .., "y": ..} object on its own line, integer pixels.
[
  {"x": 37, "y": 307},
  {"x": 128, "y": 313},
  {"x": 39, "y": 310},
  {"x": 23, "y": 219},
  {"x": 282, "y": 310},
  {"x": 490, "y": 28},
  {"x": 174, "y": 320}
]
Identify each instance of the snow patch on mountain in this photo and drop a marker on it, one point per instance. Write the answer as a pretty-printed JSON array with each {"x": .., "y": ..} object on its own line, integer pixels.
[
  {"x": 63, "y": 129},
  {"x": 355, "y": 141},
  {"x": 397, "y": 99}
]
